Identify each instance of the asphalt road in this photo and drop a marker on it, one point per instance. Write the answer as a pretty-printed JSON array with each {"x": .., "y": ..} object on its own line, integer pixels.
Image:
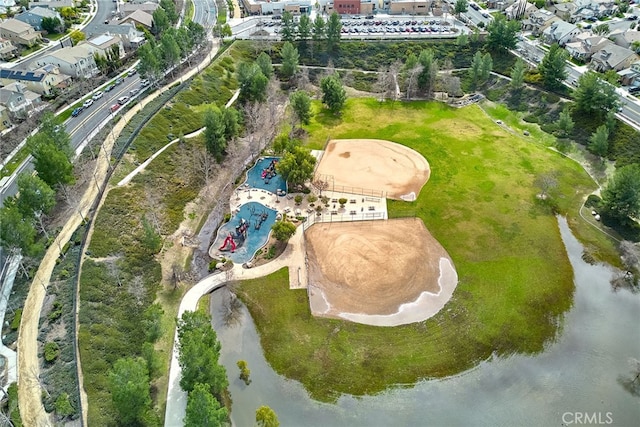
[
  {"x": 79, "y": 127},
  {"x": 205, "y": 13}
]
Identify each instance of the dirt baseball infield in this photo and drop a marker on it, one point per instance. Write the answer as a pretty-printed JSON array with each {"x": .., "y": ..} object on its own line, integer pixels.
[
  {"x": 375, "y": 164},
  {"x": 383, "y": 273}
]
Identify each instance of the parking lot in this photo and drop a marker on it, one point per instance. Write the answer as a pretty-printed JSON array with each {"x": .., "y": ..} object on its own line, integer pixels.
[{"x": 387, "y": 26}]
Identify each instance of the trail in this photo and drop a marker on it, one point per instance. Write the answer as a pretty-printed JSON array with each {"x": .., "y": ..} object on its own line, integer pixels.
[{"x": 29, "y": 390}]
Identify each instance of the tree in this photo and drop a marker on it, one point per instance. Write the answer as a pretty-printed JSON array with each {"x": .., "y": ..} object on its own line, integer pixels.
[
  {"x": 296, "y": 166},
  {"x": 486, "y": 67},
  {"x": 429, "y": 71},
  {"x": 599, "y": 141},
  {"x": 151, "y": 240},
  {"x": 304, "y": 28},
  {"x": 460, "y": 7},
  {"x": 333, "y": 94},
  {"x": 517, "y": 75},
  {"x": 253, "y": 84},
  {"x": 266, "y": 417},
  {"x": 621, "y": 196},
  {"x": 290, "y": 58},
  {"x": 203, "y": 410},
  {"x": 301, "y": 106},
  {"x": 170, "y": 10},
  {"x": 160, "y": 22},
  {"x": 245, "y": 372},
  {"x": 319, "y": 29},
  {"x": 152, "y": 321},
  {"x": 334, "y": 31},
  {"x": 502, "y": 34},
  {"x": 594, "y": 96},
  {"x": 170, "y": 49},
  {"x": 129, "y": 386},
  {"x": 150, "y": 66},
  {"x": 477, "y": 70},
  {"x": 52, "y": 164},
  {"x": 230, "y": 119},
  {"x": 565, "y": 122},
  {"x": 546, "y": 182},
  {"x": 214, "y": 133},
  {"x": 264, "y": 62},
  {"x": 35, "y": 196},
  {"x": 17, "y": 232},
  {"x": 199, "y": 351},
  {"x": 553, "y": 68},
  {"x": 288, "y": 27},
  {"x": 283, "y": 230},
  {"x": 51, "y": 25},
  {"x": 601, "y": 29},
  {"x": 197, "y": 33},
  {"x": 77, "y": 36}
]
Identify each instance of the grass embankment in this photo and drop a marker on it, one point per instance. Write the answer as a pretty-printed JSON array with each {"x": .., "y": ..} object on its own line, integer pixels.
[
  {"x": 515, "y": 281},
  {"x": 124, "y": 276}
]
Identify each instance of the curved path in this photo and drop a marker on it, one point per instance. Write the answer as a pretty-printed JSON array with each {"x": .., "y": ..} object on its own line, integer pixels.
[
  {"x": 292, "y": 258},
  {"x": 29, "y": 389}
]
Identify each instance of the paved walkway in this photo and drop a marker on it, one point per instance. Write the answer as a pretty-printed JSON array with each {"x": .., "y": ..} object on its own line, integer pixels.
[
  {"x": 292, "y": 258},
  {"x": 7, "y": 278}
]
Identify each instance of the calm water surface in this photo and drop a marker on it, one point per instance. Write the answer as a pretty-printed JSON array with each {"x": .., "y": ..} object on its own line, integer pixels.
[{"x": 577, "y": 373}]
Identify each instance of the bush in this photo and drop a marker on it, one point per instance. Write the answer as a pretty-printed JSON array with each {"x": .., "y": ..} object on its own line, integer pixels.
[
  {"x": 15, "y": 323},
  {"x": 227, "y": 217},
  {"x": 51, "y": 351},
  {"x": 56, "y": 312},
  {"x": 593, "y": 201},
  {"x": 213, "y": 264},
  {"x": 298, "y": 199},
  {"x": 63, "y": 406},
  {"x": 342, "y": 201}
]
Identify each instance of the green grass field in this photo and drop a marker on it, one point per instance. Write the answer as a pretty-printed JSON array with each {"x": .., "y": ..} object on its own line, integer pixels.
[{"x": 515, "y": 281}]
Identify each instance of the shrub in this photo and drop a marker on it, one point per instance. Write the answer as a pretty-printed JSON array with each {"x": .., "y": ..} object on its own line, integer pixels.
[
  {"x": 342, "y": 202},
  {"x": 15, "y": 323},
  {"x": 213, "y": 264},
  {"x": 51, "y": 351},
  {"x": 56, "y": 312},
  {"x": 593, "y": 201},
  {"x": 311, "y": 198},
  {"x": 298, "y": 199},
  {"x": 227, "y": 217},
  {"x": 63, "y": 406}
]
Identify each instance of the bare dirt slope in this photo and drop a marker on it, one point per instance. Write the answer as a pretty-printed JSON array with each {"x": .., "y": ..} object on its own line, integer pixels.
[
  {"x": 375, "y": 164},
  {"x": 375, "y": 268}
]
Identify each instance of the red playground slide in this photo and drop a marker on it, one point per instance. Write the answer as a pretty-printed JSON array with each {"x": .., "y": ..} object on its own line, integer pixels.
[{"x": 228, "y": 241}]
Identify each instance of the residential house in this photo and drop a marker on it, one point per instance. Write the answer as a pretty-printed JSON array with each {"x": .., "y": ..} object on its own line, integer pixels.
[
  {"x": 103, "y": 43},
  {"x": 592, "y": 9},
  {"x": 538, "y": 21},
  {"x": 409, "y": 7},
  {"x": 520, "y": 9},
  {"x": 625, "y": 38},
  {"x": 44, "y": 80},
  {"x": 19, "y": 33},
  {"x": 630, "y": 76},
  {"x": 7, "y": 49},
  {"x": 35, "y": 16},
  {"x": 6, "y": 4},
  {"x": 138, "y": 17},
  {"x": 560, "y": 32},
  {"x": 499, "y": 4},
  {"x": 5, "y": 121},
  {"x": 18, "y": 99},
  {"x": 564, "y": 11},
  {"x": 130, "y": 36},
  {"x": 76, "y": 61},
  {"x": 613, "y": 57},
  {"x": 147, "y": 6},
  {"x": 585, "y": 45},
  {"x": 51, "y": 4}
]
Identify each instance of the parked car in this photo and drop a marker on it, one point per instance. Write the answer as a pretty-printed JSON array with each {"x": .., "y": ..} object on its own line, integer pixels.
[
  {"x": 109, "y": 88},
  {"x": 144, "y": 83},
  {"x": 118, "y": 81},
  {"x": 133, "y": 71},
  {"x": 76, "y": 112},
  {"x": 634, "y": 89},
  {"x": 88, "y": 103},
  {"x": 98, "y": 95},
  {"x": 134, "y": 91},
  {"x": 123, "y": 100},
  {"x": 114, "y": 108}
]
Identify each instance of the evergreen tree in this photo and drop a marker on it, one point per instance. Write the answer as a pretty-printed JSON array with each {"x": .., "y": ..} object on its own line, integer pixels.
[
  {"x": 334, "y": 28},
  {"x": 333, "y": 94},
  {"x": 290, "y": 58},
  {"x": 553, "y": 67}
]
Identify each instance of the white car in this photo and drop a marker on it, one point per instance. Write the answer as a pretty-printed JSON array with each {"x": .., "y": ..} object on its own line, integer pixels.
[
  {"x": 88, "y": 103},
  {"x": 98, "y": 95},
  {"x": 144, "y": 83},
  {"x": 133, "y": 92}
]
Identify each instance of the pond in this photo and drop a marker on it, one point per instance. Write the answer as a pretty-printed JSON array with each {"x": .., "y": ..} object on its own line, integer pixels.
[{"x": 578, "y": 374}]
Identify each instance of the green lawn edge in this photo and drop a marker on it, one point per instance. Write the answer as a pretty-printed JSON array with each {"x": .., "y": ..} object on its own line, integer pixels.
[{"x": 515, "y": 280}]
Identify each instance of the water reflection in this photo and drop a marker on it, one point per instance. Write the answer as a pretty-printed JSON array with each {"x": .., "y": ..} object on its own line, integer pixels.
[{"x": 577, "y": 374}]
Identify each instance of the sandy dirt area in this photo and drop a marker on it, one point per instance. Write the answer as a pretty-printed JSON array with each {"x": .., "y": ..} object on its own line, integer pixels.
[
  {"x": 375, "y": 164},
  {"x": 377, "y": 272}
]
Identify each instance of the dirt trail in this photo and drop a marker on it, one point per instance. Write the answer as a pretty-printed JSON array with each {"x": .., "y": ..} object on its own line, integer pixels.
[{"x": 29, "y": 391}]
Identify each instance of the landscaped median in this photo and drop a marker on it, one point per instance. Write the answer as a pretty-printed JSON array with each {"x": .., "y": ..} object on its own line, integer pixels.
[{"x": 515, "y": 280}]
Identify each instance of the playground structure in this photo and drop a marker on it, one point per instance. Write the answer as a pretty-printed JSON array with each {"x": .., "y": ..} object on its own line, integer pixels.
[
  {"x": 270, "y": 171},
  {"x": 240, "y": 235}
]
